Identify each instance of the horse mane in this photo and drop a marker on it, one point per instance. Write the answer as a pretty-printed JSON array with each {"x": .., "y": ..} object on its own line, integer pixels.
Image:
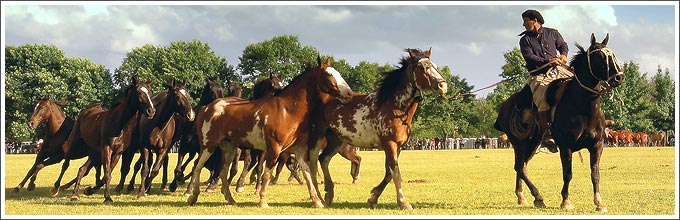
[
  {"x": 578, "y": 56},
  {"x": 296, "y": 78},
  {"x": 158, "y": 98},
  {"x": 395, "y": 80}
]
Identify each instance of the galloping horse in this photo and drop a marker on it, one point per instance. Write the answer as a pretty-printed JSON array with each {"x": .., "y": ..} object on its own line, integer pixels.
[
  {"x": 578, "y": 120},
  {"x": 58, "y": 129},
  {"x": 272, "y": 124},
  {"x": 158, "y": 133},
  {"x": 189, "y": 140},
  {"x": 106, "y": 132},
  {"x": 381, "y": 119}
]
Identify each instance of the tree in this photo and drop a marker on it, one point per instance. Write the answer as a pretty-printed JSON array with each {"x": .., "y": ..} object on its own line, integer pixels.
[
  {"x": 183, "y": 61},
  {"x": 35, "y": 71},
  {"x": 630, "y": 104},
  {"x": 283, "y": 55},
  {"x": 663, "y": 99}
]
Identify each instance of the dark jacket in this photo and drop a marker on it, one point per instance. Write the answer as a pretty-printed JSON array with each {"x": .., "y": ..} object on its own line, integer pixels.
[{"x": 538, "y": 48}]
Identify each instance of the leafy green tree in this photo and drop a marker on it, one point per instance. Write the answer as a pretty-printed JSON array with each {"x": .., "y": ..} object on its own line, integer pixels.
[
  {"x": 663, "y": 99},
  {"x": 183, "y": 61},
  {"x": 34, "y": 71},
  {"x": 283, "y": 55},
  {"x": 630, "y": 104}
]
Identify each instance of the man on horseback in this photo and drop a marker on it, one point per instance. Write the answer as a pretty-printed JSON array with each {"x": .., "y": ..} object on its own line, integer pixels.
[{"x": 539, "y": 46}]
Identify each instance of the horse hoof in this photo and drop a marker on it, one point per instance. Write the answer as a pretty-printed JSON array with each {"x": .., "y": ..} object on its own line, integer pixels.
[
  {"x": 192, "y": 200},
  {"x": 89, "y": 191},
  {"x": 263, "y": 205},
  {"x": 355, "y": 181},
  {"x": 16, "y": 189},
  {"x": 318, "y": 204},
  {"x": 54, "y": 192},
  {"x": 209, "y": 190},
  {"x": 173, "y": 187},
  {"x": 539, "y": 204},
  {"x": 75, "y": 198},
  {"x": 406, "y": 206},
  {"x": 108, "y": 200},
  {"x": 567, "y": 205},
  {"x": 371, "y": 204},
  {"x": 240, "y": 189},
  {"x": 141, "y": 197},
  {"x": 602, "y": 209},
  {"x": 523, "y": 202},
  {"x": 31, "y": 187}
]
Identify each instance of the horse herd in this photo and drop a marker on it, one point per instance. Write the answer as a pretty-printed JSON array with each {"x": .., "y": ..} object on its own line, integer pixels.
[
  {"x": 626, "y": 138},
  {"x": 314, "y": 117}
]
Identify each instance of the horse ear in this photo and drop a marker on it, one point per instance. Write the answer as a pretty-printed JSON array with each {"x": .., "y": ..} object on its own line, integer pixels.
[
  {"x": 606, "y": 39},
  {"x": 62, "y": 102},
  {"x": 135, "y": 79},
  {"x": 428, "y": 52},
  {"x": 329, "y": 61},
  {"x": 169, "y": 84},
  {"x": 592, "y": 39},
  {"x": 318, "y": 60}
]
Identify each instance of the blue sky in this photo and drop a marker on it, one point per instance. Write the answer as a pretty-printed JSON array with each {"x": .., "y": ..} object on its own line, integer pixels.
[{"x": 469, "y": 37}]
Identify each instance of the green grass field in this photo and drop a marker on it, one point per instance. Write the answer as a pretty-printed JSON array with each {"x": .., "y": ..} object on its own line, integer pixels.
[{"x": 634, "y": 181}]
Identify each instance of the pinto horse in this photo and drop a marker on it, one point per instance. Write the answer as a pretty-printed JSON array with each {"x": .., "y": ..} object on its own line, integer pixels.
[
  {"x": 381, "y": 119},
  {"x": 105, "y": 132},
  {"x": 272, "y": 124},
  {"x": 58, "y": 129},
  {"x": 578, "y": 120}
]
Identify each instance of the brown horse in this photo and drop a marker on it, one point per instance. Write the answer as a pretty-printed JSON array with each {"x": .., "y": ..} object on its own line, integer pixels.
[
  {"x": 106, "y": 131},
  {"x": 381, "y": 119},
  {"x": 272, "y": 124},
  {"x": 578, "y": 120},
  {"x": 58, "y": 129}
]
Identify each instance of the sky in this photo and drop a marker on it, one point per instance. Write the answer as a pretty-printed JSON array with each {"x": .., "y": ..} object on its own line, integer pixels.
[{"x": 469, "y": 37}]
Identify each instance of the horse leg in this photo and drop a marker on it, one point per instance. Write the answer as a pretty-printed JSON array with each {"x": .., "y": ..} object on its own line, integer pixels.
[
  {"x": 109, "y": 162},
  {"x": 294, "y": 167},
  {"x": 164, "y": 181},
  {"x": 565, "y": 157},
  {"x": 521, "y": 161},
  {"x": 162, "y": 154},
  {"x": 259, "y": 170},
  {"x": 215, "y": 170},
  {"x": 55, "y": 188},
  {"x": 279, "y": 168},
  {"x": 234, "y": 164},
  {"x": 124, "y": 169},
  {"x": 81, "y": 173},
  {"x": 392, "y": 160},
  {"x": 347, "y": 151},
  {"x": 247, "y": 161},
  {"x": 99, "y": 182},
  {"x": 271, "y": 154},
  {"x": 177, "y": 171},
  {"x": 184, "y": 166},
  {"x": 595, "y": 155},
  {"x": 332, "y": 147},
  {"x": 194, "y": 184},
  {"x": 137, "y": 168},
  {"x": 145, "y": 172},
  {"x": 228, "y": 156},
  {"x": 187, "y": 192}
]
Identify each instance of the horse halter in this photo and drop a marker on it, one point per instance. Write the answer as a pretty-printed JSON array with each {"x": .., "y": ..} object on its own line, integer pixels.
[
  {"x": 429, "y": 67},
  {"x": 604, "y": 85}
]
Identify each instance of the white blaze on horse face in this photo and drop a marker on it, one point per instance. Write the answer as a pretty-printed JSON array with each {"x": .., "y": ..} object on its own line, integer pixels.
[
  {"x": 431, "y": 69},
  {"x": 342, "y": 85},
  {"x": 146, "y": 92},
  {"x": 36, "y": 108}
]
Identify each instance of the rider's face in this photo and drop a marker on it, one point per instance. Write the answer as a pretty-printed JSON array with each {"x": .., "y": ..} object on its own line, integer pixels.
[{"x": 529, "y": 24}]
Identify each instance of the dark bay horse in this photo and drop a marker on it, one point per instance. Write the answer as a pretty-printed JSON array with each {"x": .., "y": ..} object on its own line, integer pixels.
[
  {"x": 381, "y": 119},
  {"x": 188, "y": 143},
  {"x": 272, "y": 124},
  {"x": 157, "y": 134},
  {"x": 106, "y": 131},
  {"x": 58, "y": 129},
  {"x": 578, "y": 120}
]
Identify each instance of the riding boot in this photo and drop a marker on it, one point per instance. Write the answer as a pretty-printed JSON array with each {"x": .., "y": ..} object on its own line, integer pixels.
[{"x": 548, "y": 141}]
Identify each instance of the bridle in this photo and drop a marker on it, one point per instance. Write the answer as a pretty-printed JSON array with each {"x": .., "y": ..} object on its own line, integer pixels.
[
  {"x": 603, "y": 84},
  {"x": 427, "y": 64}
]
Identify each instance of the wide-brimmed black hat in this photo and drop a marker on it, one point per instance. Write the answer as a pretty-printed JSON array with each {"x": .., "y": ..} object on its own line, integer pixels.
[{"x": 533, "y": 14}]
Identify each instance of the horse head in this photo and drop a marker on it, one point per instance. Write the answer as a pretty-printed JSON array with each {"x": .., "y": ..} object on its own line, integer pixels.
[
  {"x": 211, "y": 91},
  {"x": 604, "y": 72},
  {"x": 331, "y": 81},
  {"x": 178, "y": 96},
  {"x": 235, "y": 89},
  {"x": 138, "y": 95},
  {"x": 40, "y": 112},
  {"x": 425, "y": 73}
]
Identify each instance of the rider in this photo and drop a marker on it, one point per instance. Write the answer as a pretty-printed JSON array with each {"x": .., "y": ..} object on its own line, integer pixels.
[{"x": 539, "y": 46}]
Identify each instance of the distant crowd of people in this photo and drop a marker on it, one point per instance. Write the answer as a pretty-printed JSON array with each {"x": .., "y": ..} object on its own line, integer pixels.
[{"x": 450, "y": 143}]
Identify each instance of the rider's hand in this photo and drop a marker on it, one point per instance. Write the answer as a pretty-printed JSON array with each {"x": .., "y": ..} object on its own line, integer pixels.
[
  {"x": 563, "y": 59},
  {"x": 555, "y": 61}
]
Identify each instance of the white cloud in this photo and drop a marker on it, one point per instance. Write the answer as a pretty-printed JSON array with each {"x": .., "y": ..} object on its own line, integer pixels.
[
  {"x": 328, "y": 15},
  {"x": 474, "y": 48}
]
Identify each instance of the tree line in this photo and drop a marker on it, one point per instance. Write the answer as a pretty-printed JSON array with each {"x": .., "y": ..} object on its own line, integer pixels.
[{"x": 34, "y": 71}]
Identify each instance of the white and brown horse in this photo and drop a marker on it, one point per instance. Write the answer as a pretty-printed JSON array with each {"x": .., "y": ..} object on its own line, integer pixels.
[
  {"x": 381, "y": 120},
  {"x": 272, "y": 124}
]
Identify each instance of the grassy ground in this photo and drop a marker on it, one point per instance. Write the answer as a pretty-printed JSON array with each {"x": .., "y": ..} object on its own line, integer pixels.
[{"x": 634, "y": 181}]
